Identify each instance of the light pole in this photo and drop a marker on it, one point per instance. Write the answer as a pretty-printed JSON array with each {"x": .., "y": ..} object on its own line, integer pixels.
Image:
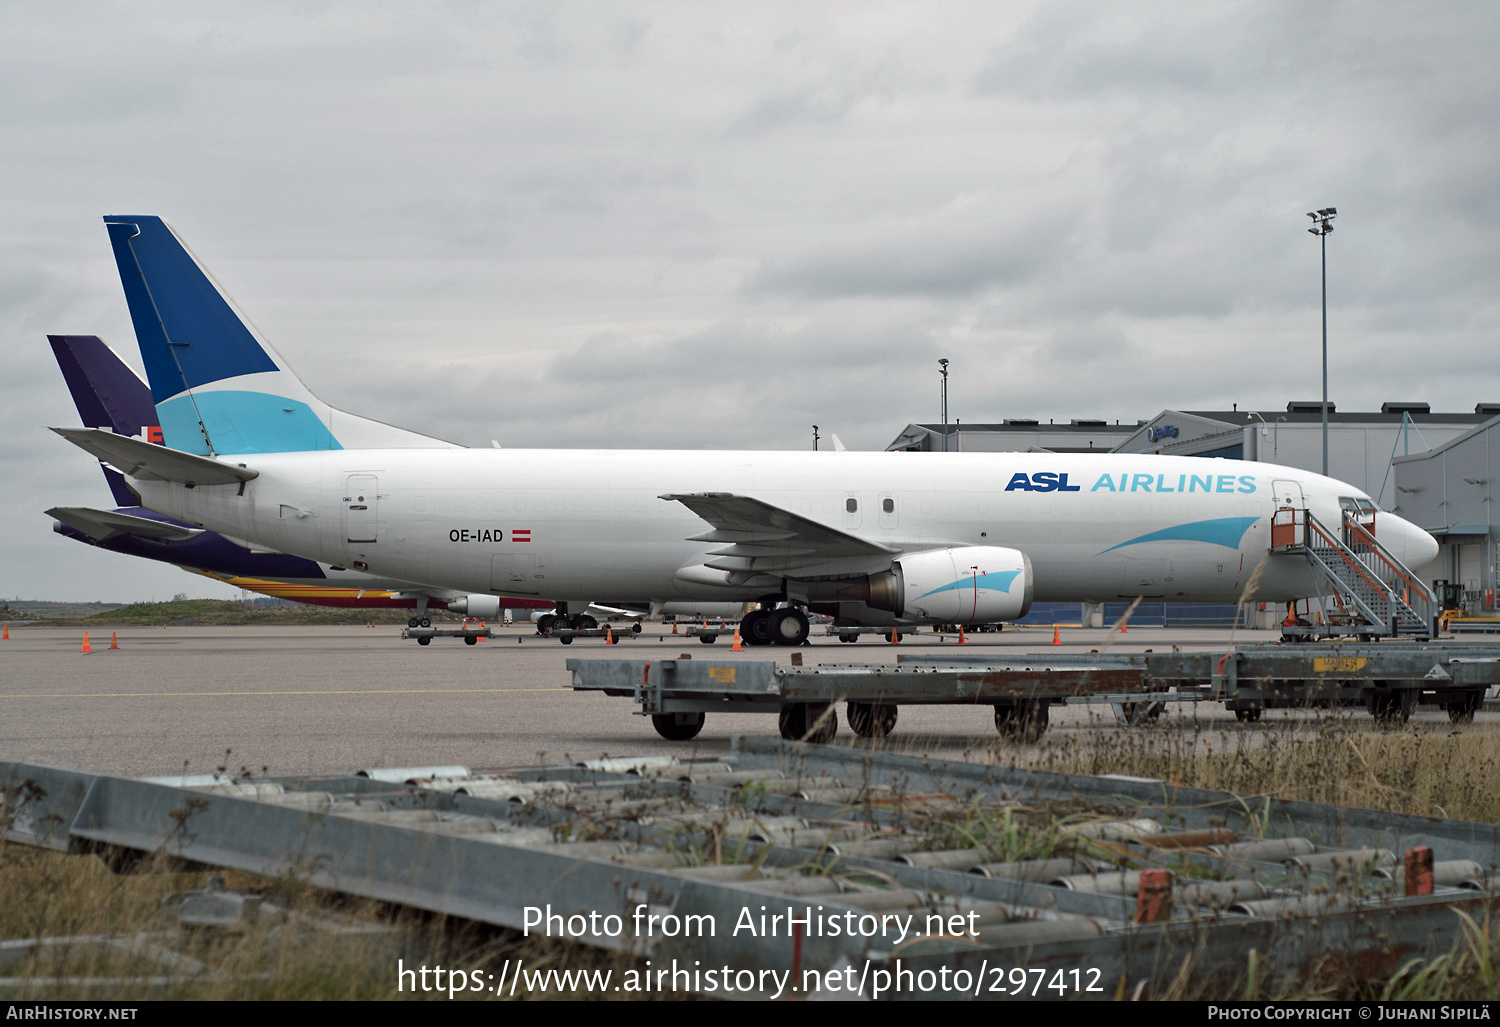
[
  {"x": 1276, "y": 439},
  {"x": 1322, "y": 221},
  {"x": 815, "y": 438},
  {"x": 943, "y": 367}
]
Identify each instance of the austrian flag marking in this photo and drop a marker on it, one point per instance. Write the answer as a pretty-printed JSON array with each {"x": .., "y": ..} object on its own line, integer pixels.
[{"x": 520, "y": 535}]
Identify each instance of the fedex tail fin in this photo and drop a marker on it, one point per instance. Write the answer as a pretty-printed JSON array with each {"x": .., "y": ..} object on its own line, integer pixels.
[
  {"x": 219, "y": 387},
  {"x": 108, "y": 394}
]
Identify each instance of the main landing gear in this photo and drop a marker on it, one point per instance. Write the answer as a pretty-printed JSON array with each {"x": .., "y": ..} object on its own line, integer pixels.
[
  {"x": 578, "y": 622},
  {"x": 787, "y": 626}
]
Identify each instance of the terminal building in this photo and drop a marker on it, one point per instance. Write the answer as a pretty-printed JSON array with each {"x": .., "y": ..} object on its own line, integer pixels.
[
  {"x": 1015, "y": 435},
  {"x": 1448, "y": 491}
]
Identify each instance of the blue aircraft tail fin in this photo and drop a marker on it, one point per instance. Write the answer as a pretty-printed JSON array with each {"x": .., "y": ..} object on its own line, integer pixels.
[
  {"x": 108, "y": 394},
  {"x": 219, "y": 387}
]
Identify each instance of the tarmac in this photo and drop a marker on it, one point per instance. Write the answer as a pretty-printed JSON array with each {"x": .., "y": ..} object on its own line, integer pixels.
[{"x": 293, "y": 700}]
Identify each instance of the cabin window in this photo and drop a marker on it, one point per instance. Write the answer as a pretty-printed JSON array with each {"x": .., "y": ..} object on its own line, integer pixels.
[
  {"x": 888, "y": 505},
  {"x": 851, "y": 504}
]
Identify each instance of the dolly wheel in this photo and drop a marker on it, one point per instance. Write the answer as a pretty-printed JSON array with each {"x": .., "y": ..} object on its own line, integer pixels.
[
  {"x": 807, "y": 722},
  {"x": 871, "y": 720},
  {"x": 1023, "y": 721},
  {"x": 677, "y": 727}
]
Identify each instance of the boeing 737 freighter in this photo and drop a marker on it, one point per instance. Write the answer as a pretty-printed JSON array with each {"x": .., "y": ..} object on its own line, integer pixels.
[
  {"x": 869, "y": 538},
  {"x": 108, "y": 394}
]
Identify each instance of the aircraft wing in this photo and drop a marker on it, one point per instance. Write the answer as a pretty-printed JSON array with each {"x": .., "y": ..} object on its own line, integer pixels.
[
  {"x": 763, "y": 537},
  {"x": 103, "y": 524},
  {"x": 137, "y": 459}
]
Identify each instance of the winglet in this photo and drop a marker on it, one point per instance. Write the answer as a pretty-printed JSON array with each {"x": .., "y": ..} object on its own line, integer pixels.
[{"x": 137, "y": 459}]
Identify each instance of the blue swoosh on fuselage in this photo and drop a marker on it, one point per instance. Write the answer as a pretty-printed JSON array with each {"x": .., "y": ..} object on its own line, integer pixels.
[
  {"x": 1221, "y": 531},
  {"x": 999, "y": 581}
]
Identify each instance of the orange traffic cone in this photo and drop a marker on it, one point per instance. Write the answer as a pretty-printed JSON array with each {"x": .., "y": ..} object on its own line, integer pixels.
[
  {"x": 1123, "y": 629},
  {"x": 961, "y": 639},
  {"x": 1056, "y": 635},
  {"x": 86, "y": 647},
  {"x": 114, "y": 640},
  {"x": 674, "y": 627},
  {"x": 736, "y": 648},
  {"x": 609, "y": 635},
  {"x": 895, "y": 638},
  {"x": 6, "y": 634}
]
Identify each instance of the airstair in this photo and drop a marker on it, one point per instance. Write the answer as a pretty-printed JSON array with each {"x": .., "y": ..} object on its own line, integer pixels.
[{"x": 1367, "y": 591}]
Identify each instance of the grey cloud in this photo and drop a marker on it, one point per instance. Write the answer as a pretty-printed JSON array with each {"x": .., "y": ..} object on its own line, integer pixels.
[{"x": 956, "y": 252}]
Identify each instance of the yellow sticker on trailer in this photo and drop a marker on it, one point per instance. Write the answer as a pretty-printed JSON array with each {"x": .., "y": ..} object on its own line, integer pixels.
[
  {"x": 723, "y": 675},
  {"x": 1338, "y": 664}
]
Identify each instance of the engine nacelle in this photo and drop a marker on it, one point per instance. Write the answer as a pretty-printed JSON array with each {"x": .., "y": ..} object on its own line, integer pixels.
[
  {"x": 965, "y": 585},
  {"x": 476, "y": 606}
]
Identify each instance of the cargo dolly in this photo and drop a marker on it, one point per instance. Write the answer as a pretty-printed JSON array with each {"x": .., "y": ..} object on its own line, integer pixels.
[{"x": 1389, "y": 679}]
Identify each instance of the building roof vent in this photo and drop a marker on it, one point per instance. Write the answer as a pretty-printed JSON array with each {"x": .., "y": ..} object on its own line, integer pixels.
[
  {"x": 1022, "y": 420},
  {"x": 1406, "y": 408},
  {"x": 1309, "y": 407},
  {"x": 1087, "y": 422},
  {"x": 1488, "y": 409}
]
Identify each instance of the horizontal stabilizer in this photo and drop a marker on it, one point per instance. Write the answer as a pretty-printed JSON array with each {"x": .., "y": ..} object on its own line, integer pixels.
[
  {"x": 137, "y": 459},
  {"x": 103, "y": 524}
]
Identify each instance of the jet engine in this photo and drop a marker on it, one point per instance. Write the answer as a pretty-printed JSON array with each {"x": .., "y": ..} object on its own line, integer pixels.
[
  {"x": 964, "y": 585},
  {"x": 477, "y": 606}
]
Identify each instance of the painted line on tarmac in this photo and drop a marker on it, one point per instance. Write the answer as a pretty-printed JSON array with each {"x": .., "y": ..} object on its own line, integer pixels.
[{"x": 347, "y": 691}]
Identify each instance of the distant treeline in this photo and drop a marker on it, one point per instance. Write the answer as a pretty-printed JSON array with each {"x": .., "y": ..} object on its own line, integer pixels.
[{"x": 185, "y": 612}]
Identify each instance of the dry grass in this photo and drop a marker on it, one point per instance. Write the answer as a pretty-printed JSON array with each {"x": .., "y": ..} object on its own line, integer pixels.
[
  {"x": 1337, "y": 757},
  {"x": 308, "y": 945}
]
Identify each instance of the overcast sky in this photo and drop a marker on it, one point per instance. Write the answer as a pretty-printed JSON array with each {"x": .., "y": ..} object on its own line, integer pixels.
[{"x": 689, "y": 225}]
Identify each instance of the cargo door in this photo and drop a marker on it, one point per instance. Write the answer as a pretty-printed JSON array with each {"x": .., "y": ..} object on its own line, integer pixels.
[
  {"x": 516, "y": 574},
  {"x": 361, "y": 509}
]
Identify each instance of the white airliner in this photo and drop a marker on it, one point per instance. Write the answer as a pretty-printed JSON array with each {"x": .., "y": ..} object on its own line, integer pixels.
[{"x": 868, "y": 538}]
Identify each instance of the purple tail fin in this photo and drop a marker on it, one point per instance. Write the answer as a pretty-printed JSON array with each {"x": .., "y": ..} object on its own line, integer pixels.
[{"x": 108, "y": 394}]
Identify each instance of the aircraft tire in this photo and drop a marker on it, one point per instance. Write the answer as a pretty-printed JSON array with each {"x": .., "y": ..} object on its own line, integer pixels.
[
  {"x": 755, "y": 629},
  {"x": 426, "y": 622},
  {"x": 544, "y": 624},
  {"x": 414, "y": 622},
  {"x": 677, "y": 727},
  {"x": 585, "y": 621},
  {"x": 787, "y": 627}
]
